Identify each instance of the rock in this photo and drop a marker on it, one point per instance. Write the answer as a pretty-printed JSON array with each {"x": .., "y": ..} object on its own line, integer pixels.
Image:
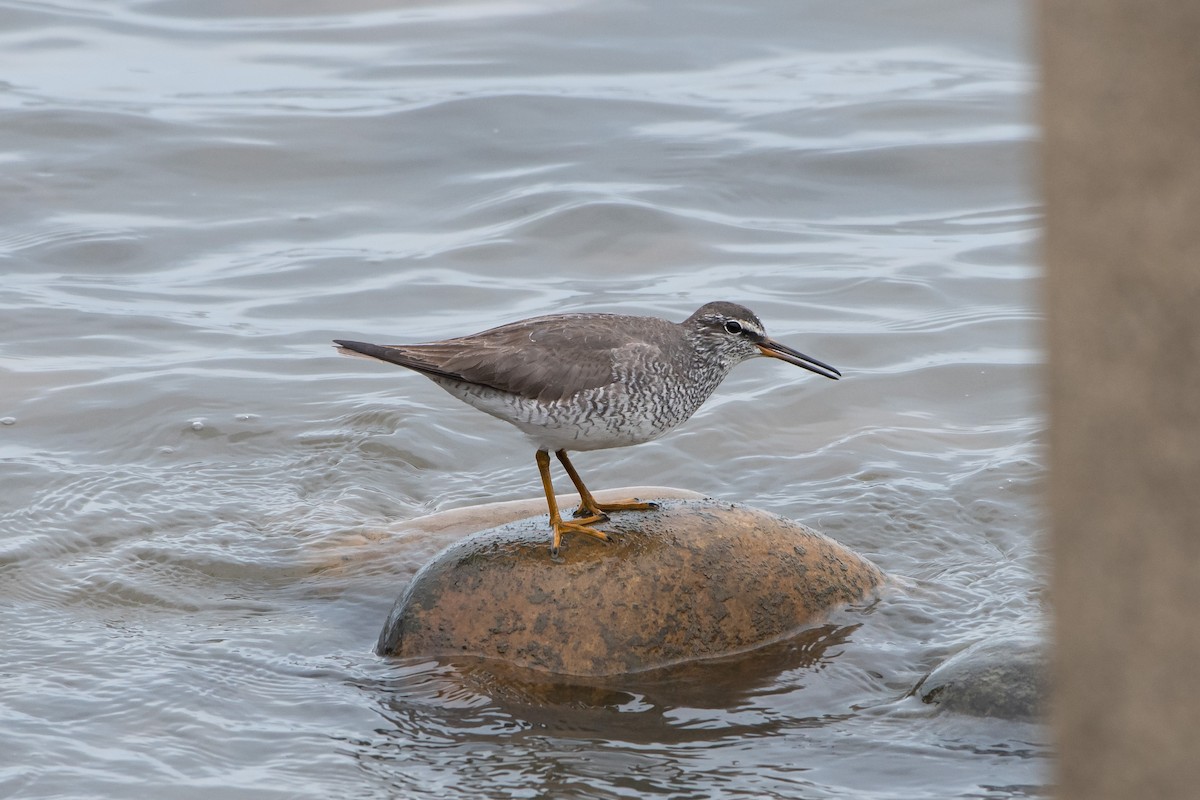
[
  {"x": 694, "y": 579},
  {"x": 1004, "y": 678},
  {"x": 407, "y": 545}
]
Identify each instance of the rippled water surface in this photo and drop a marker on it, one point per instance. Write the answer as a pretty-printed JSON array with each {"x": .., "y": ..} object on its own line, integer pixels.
[{"x": 200, "y": 501}]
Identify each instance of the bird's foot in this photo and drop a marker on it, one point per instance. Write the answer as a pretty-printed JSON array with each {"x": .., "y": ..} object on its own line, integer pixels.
[
  {"x": 561, "y": 527},
  {"x": 599, "y": 510}
]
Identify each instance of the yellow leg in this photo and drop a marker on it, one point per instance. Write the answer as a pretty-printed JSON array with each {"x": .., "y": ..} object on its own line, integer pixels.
[
  {"x": 557, "y": 524},
  {"x": 588, "y": 507}
]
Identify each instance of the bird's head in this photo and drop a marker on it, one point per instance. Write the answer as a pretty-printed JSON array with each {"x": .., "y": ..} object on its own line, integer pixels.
[{"x": 734, "y": 333}]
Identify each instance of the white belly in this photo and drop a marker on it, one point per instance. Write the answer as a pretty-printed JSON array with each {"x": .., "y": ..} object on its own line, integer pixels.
[{"x": 577, "y": 424}]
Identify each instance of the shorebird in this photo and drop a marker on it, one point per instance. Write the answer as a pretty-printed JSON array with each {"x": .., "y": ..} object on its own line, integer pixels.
[{"x": 592, "y": 381}]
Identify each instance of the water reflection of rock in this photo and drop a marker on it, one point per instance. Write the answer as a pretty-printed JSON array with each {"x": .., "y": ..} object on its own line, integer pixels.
[
  {"x": 637, "y": 708},
  {"x": 693, "y": 580}
]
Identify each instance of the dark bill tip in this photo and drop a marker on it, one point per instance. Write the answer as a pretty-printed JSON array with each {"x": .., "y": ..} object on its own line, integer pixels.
[{"x": 784, "y": 353}]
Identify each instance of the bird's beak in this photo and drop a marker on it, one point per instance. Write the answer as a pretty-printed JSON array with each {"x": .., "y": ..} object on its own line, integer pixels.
[{"x": 774, "y": 349}]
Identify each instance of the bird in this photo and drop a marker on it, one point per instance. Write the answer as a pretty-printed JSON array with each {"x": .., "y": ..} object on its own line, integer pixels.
[{"x": 591, "y": 381}]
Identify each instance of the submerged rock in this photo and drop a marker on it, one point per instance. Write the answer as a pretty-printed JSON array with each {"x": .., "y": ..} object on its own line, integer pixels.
[
  {"x": 694, "y": 579},
  {"x": 1004, "y": 678}
]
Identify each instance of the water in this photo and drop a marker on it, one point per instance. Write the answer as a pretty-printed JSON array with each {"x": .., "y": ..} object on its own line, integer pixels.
[{"x": 202, "y": 505}]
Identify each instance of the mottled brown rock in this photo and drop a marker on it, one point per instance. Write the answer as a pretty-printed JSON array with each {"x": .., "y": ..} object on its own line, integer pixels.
[{"x": 694, "y": 579}]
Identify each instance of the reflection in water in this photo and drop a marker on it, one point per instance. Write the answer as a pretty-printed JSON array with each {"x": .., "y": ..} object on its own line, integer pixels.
[
  {"x": 498, "y": 726},
  {"x": 638, "y": 708}
]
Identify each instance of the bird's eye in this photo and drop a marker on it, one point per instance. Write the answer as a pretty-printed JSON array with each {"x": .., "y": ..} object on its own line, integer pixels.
[{"x": 733, "y": 327}]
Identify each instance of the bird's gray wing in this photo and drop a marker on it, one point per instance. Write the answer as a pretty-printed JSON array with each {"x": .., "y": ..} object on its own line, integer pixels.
[{"x": 546, "y": 358}]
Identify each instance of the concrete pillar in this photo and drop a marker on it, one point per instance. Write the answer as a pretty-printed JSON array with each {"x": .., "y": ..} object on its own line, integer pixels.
[{"x": 1121, "y": 115}]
